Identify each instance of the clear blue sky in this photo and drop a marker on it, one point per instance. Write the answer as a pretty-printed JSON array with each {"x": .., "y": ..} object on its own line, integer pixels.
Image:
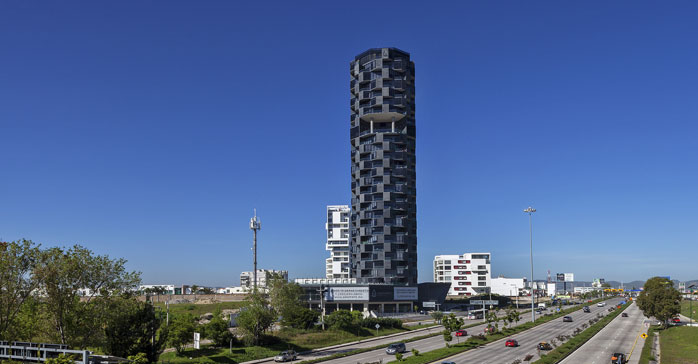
[{"x": 149, "y": 130}]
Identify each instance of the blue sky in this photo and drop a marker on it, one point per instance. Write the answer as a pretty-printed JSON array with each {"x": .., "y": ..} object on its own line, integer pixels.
[{"x": 150, "y": 131}]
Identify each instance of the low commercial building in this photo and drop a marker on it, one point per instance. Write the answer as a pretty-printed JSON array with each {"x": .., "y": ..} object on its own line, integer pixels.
[
  {"x": 469, "y": 273},
  {"x": 508, "y": 286},
  {"x": 583, "y": 290},
  {"x": 325, "y": 294},
  {"x": 231, "y": 290}
]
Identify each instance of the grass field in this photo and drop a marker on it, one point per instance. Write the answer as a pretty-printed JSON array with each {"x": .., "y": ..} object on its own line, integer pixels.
[
  {"x": 679, "y": 345},
  {"x": 197, "y": 309},
  {"x": 685, "y": 307}
]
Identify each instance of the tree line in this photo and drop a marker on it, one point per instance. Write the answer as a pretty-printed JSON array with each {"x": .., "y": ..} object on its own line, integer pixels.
[{"x": 72, "y": 296}]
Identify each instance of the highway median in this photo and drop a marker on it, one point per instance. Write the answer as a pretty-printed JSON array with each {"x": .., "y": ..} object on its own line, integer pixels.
[{"x": 562, "y": 351}]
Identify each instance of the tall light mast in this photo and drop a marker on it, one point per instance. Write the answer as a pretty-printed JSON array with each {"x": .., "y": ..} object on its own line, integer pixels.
[{"x": 255, "y": 225}]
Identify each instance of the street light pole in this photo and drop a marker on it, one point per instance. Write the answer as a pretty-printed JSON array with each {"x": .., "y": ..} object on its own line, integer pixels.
[
  {"x": 690, "y": 303},
  {"x": 530, "y": 210}
]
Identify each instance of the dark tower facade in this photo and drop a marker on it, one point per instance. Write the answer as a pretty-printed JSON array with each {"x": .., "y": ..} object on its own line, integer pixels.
[{"x": 383, "y": 222}]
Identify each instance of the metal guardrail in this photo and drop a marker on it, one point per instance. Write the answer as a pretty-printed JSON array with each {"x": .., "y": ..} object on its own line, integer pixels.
[{"x": 39, "y": 352}]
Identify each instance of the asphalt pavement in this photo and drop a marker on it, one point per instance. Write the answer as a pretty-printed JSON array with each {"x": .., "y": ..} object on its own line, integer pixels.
[
  {"x": 619, "y": 336},
  {"x": 528, "y": 340},
  {"x": 423, "y": 345}
]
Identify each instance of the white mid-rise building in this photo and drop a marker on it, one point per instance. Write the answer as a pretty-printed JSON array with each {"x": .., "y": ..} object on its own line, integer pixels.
[
  {"x": 469, "y": 273},
  {"x": 511, "y": 287},
  {"x": 338, "y": 265},
  {"x": 263, "y": 275}
]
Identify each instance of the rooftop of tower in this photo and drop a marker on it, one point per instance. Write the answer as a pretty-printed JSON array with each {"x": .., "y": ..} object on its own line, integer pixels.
[{"x": 378, "y": 51}]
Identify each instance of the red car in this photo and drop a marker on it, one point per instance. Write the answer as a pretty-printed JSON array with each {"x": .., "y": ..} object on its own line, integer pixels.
[
  {"x": 676, "y": 320},
  {"x": 461, "y": 333},
  {"x": 511, "y": 343}
]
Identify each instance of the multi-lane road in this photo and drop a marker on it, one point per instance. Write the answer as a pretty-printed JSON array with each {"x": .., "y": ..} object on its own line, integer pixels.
[
  {"x": 619, "y": 336},
  {"x": 496, "y": 352}
]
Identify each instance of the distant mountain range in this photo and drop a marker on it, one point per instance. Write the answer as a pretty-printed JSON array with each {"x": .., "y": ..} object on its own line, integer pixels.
[
  {"x": 629, "y": 285},
  {"x": 638, "y": 284}
]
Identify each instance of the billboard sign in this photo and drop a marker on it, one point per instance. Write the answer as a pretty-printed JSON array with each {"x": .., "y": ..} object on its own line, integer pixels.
[
  {"x": 405, "y": 293},
  {"x": 429, "y": 304},
  {"x": 484, "y": 302},
  {"x": 334, "y": 294},
  {"x": 561, "y": 277},
  {"x": 569, "y": 277}
]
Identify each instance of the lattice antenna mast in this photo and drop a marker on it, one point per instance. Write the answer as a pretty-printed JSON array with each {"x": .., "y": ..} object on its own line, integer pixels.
[{"x": 255, "y": 224}]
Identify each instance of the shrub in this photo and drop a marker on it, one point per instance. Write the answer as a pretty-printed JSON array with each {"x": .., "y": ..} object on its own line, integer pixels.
[
  {"x": 415, "y": 352},
  {"x": 398, "y": 356}
]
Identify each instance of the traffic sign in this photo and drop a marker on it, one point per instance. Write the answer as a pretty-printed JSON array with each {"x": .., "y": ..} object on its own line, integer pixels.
[
  {"x": 378, "y": 326},
  {"x": 644, "y": 336}
]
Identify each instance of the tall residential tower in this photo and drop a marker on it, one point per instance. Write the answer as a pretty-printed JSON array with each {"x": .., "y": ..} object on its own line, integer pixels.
[
  {"x": 384, "y": 199},
  {"x": 338, "y": 265}
]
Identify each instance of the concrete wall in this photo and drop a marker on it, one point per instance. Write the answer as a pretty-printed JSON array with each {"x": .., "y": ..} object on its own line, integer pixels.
[{"x": 196, "y": 298}]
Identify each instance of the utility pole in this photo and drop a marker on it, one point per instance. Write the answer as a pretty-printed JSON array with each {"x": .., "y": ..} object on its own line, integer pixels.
[
  {"x": 530, "y": 210},
  {"x": 255, "y": 225}
]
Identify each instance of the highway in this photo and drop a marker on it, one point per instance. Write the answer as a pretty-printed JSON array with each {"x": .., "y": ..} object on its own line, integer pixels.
[
  {"x": 617, "y": 337},
  {"x": 421, "y": 345},
  {"x": 496, "y": 352},
  {"x": 436, "y": 342}
]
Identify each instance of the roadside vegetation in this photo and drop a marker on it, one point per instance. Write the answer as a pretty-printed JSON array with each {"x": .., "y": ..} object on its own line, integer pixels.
[{"x": 646, "y": 354}]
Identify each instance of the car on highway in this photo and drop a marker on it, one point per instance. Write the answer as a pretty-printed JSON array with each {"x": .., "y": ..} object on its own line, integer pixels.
[
  {"x": 288, "y": 355},
  {"x": 544, "y": 346},
  {"x": 448, "y": 362},
  {"x": 586, "y": 309},
  {"x": 618, "y": 358},
  {"x": 623, "y": 314},
  {"x": 601, "y": 304},
  {"x": 396, "y": 348},
  {"x": 676, "y": 320},
  {"x": 567, "y": 319},
  {"x": 511, "y": 343},
  {"x": 461, "y": 333}
]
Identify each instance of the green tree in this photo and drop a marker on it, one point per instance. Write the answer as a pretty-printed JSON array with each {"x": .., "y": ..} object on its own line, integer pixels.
[
  {"x": 255, "y": 318},
  {"x": 206, "y": 290},
  {"x": 139, "y": 358},
  {"x": 285, "y": 298},
  {"x": 437, "y": 316},
  {"x": 18, "y": 260},
  {"x": 180, "y": 332},
  {"x": 341, "y": 320},
  {"x": 452, "y": 323},
  {"x": 492, "y": 319},
  {"x": 217, "y": 330},
  {"x": 659, "y": 299},
  {"x": 61, "y": 359},
  {"x": 447, "y": 336},
  {"x": 301, "y": 318},
  {"x": 70, "y": 279},
  {"x": 130, "y": 327}
]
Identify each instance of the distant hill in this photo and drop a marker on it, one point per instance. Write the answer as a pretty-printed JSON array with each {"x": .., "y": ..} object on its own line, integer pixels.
[{"x": 638, "y": 284}]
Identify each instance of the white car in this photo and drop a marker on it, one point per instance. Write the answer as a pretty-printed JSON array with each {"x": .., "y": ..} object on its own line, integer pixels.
[
  {"x": 286, "y": 356},
  {"x": 601, "y": 304}
]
